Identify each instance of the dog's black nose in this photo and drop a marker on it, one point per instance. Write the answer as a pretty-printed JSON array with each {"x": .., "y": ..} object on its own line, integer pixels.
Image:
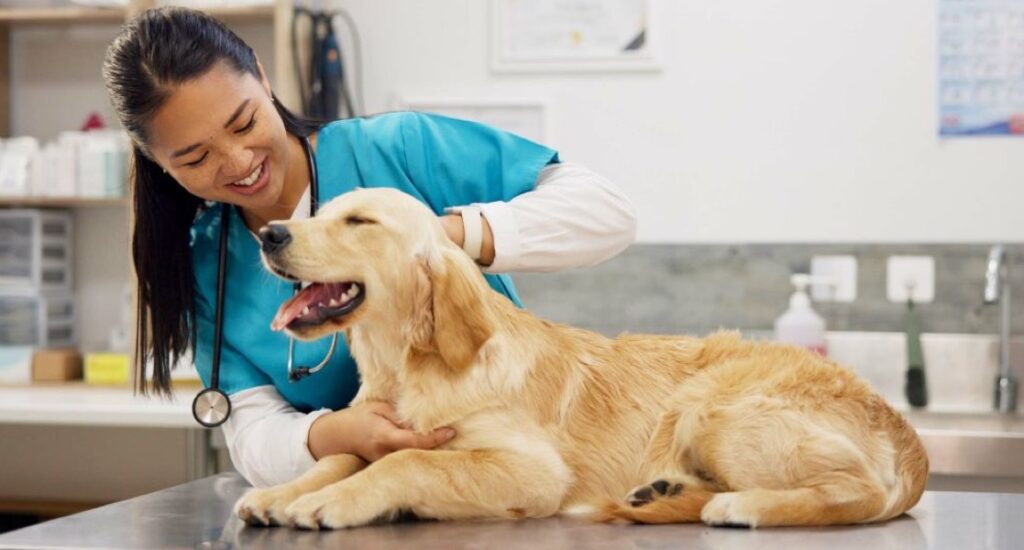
[{"x": 274, "y": 237}]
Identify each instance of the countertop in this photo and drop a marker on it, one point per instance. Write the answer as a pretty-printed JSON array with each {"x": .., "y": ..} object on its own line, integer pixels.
[
  {"x": 198, "y": 515},
  {"x": 77, "y": 403}
]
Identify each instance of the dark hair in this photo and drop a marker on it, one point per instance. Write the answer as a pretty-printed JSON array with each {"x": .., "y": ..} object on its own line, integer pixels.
[{"x": 157, "y": 50}]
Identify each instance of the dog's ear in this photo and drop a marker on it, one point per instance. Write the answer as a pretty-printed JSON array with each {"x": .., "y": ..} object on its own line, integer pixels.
[
  {"x": 420, "y": 331},
  {"x": 451, "y": 318}
]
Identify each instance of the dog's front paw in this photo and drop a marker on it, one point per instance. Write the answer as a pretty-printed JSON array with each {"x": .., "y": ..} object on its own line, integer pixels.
[
  {"x": 646, "y": 494},
  {"x": 266, "y": 507},
  {"x": 728, "y": 510},
  {"x": 332, "y": 508}
]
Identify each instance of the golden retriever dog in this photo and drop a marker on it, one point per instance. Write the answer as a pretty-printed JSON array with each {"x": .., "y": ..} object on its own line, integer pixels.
[{"x": 552, "y": 419}]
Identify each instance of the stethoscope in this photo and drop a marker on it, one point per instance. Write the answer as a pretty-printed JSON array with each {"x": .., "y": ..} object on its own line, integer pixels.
[{"x": 211, "y": 407}]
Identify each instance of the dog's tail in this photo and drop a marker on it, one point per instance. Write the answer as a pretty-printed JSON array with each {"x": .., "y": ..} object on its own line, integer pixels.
[{"x": 685, "y": 507}]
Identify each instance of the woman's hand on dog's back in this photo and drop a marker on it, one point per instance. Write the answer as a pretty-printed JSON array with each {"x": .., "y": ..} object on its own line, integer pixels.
[{"x": 369, "y": 430}]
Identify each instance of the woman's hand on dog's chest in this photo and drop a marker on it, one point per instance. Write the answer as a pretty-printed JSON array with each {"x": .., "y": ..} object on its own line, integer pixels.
[{"x": 370, "y": 430}]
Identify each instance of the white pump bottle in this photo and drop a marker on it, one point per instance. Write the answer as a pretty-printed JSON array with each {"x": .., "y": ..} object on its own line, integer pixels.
[{"x": 800, "y": 324}]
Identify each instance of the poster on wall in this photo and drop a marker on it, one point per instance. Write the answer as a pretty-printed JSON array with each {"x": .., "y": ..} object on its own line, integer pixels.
[
  {"x": 981, "y": 67},
  {"x": 571, "y": 35}
]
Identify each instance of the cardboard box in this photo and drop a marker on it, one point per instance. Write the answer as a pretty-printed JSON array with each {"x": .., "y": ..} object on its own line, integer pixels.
[{"x": 56, "y": 365}]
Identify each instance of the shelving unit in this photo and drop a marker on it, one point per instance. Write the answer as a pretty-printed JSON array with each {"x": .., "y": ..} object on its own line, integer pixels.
[
  {"x": 279, "y": 13},
  {"x": 102, "y": 264},
  {"x": 70, "y": 14},
  {"x": 79, "y": 15},
  {"x": 61, "y": 202}
]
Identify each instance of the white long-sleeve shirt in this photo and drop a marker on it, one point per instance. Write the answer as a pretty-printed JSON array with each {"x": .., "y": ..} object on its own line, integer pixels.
[{"x": 572, "y": 218}]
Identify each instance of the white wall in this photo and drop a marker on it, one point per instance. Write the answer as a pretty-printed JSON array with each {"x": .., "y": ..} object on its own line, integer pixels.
[{"x": 771, "y": 120}]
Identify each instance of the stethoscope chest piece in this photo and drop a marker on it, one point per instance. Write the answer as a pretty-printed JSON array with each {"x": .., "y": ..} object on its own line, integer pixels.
[{"x": 211, "y": 407}]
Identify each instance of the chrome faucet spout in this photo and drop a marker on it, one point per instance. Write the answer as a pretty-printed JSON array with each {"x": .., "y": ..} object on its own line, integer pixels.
[
  {"x": 997, "y": 290},
  {"x": 995, "y": 273}
]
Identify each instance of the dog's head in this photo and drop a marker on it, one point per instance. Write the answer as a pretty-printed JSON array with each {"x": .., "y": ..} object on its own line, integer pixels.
[{"x": 379, "y": 257}]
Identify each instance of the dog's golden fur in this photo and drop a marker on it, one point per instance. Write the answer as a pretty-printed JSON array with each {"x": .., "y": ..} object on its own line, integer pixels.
[{"x": 553, "y": 419}]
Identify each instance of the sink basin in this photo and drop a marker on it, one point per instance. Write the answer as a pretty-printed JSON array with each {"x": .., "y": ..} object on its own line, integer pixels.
[{"x": 971, "y": 444}]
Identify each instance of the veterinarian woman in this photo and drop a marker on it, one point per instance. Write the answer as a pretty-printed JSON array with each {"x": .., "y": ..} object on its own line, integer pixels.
[{"x": 211, "y": 140}]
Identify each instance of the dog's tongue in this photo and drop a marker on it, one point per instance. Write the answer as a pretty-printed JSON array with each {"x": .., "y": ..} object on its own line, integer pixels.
[{"x": 310, "y": 296}]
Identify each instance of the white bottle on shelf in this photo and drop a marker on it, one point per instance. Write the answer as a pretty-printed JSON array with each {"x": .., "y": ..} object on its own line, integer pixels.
[{"x": 800, "y": 324}]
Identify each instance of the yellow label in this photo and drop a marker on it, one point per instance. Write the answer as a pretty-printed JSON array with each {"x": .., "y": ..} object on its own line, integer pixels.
[{"x": 107, "y": 368}]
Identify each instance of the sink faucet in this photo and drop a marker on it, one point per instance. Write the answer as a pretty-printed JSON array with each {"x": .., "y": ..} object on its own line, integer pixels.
[{"x": 997, "y": 289}]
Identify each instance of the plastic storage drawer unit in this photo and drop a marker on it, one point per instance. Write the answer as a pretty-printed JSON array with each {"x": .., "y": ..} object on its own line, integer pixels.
[
  {"x": 35, "y": 249},
  {"x": 43, "y": 319}
]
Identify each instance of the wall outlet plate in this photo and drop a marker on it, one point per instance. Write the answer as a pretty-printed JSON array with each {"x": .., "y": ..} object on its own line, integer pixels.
[
  {"x": 910, "y": 276},
  {"x": 843, "y": 272}
]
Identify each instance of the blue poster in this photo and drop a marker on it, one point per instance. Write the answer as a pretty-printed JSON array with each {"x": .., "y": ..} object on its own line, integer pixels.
[{"x": 981, "y": 67}]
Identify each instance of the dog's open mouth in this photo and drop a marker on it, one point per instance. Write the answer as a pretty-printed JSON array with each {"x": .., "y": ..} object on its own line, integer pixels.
[{"x": 318, "y": 303}]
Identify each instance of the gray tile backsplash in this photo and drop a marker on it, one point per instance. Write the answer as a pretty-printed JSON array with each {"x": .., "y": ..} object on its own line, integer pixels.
[{"x": 658, "y": 288}]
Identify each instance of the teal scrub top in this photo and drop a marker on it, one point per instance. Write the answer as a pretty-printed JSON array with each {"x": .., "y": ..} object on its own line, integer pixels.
[{"x": 441, "y": 161}]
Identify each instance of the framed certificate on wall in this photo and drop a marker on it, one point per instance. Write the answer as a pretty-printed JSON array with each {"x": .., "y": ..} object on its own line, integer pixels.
[{"x": 571, "y": 35}]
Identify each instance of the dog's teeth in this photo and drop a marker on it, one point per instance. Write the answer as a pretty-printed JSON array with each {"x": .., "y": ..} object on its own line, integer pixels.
[
  {"x": 305, "y": 310},
  {"x": 333, "y": 302},
  {"x": 353, "y": 291}
]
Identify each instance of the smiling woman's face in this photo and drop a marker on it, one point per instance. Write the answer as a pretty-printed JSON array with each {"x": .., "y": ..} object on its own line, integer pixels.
[{"x": 221, "y": 138}]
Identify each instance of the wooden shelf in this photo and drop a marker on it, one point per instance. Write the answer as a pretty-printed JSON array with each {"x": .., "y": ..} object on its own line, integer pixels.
[
  {"x": 62, "y": 202},
  {"x": 60, "y": 15},
  {"x": 238, "y": 13},
  {"x": 75, "y": 14}
]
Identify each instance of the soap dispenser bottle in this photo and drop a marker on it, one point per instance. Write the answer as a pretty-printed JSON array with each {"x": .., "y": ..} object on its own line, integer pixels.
[{"x": 800, "y": 324}]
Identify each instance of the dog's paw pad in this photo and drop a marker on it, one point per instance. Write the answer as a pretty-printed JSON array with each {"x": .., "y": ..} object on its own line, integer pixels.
[
  {"x": 660, "y": 487},
  {"x": 645, "y": 494},
  {"x": 731, "y": 525},
  {"x": 641, "y": 496},
  {"x": 254, "y": 520}
]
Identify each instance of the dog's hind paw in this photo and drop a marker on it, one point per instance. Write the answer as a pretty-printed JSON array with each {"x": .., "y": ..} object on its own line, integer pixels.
[{"x": 646, "y": 494}]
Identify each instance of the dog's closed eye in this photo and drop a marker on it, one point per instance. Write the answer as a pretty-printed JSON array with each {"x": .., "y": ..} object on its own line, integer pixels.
[{"x": 358, "y": 220}]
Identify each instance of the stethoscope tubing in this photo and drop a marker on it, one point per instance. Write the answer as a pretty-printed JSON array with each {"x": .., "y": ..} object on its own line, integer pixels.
[{"x": 211, "y": 407}]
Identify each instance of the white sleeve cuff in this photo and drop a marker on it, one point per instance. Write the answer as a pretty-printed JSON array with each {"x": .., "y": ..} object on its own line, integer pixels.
[
  {"x": 303, "y": 459},
  {"x": 505, "y": 232},
  {"x": 572, "y": 218}
]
